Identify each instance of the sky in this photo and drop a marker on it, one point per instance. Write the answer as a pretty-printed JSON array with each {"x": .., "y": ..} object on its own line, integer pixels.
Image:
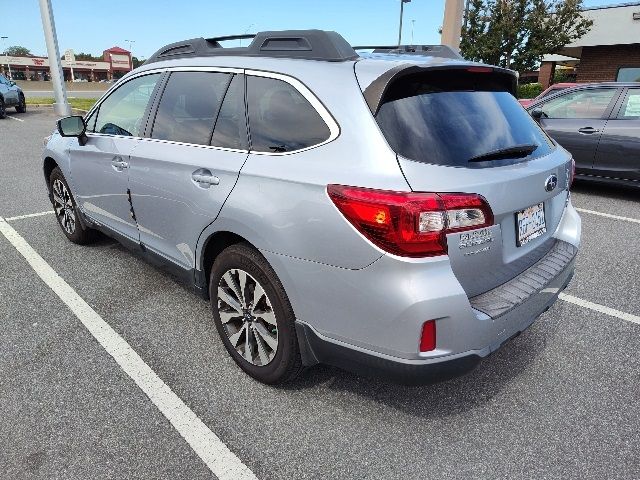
[{"x": 92, "y": 26}]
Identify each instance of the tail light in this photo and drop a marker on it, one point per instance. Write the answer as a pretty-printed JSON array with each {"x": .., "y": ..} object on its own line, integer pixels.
[
  {"x": 410, "y": 224},
  {"x": 573, "y": 173}
]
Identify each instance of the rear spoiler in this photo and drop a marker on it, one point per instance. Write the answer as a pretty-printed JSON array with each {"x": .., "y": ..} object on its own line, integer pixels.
[{"x": 375, "y": 92}]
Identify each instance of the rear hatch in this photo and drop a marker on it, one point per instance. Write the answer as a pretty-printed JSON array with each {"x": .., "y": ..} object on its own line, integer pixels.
[{"x": 460, "y": 129}]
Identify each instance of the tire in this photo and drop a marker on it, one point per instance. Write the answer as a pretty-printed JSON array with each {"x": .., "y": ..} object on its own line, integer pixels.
[
  {"x": 3, "y": 109},
  {"x": 64, "y": 206},
  {"x": 271, "y": 317},
  {"x": 22, "y": 106}
]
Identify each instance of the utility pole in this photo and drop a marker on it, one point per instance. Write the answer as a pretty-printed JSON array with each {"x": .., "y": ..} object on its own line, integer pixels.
[
  {"x": 61, "y": 106},
  {"x": 6, "y": 56},
  {"x": 452, "y": 23},
  {"x": 131, "y": 42},
  {"x": 413, "y": 24},
  {"x": 402, "y": 2}
]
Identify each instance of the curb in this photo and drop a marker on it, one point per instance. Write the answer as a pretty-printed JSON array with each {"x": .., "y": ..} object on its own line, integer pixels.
[{"x": 74, "y": 111}]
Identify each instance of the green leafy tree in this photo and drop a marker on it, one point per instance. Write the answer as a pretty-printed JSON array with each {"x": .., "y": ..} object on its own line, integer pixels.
[
  {"x": 518, "y": 33},
  {"x": 18, "y": 51}
]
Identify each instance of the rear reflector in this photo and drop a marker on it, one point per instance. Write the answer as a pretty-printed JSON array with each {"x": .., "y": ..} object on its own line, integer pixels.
[
  {"x": 410, "y": 224},
  {"x": 428, "y": 337}
]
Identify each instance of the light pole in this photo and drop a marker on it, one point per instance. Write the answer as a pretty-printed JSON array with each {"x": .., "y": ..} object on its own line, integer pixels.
[
  {"x": 6, "y": 56},
  {"x": 413, "y": 24},
  {"x": 61, "y": 107},
  {"x": 452, "y": 23},
  {"x": 247, "y": 31},
  {"x": 131, "y": 42},
  {"x": 402, "y": 2}
]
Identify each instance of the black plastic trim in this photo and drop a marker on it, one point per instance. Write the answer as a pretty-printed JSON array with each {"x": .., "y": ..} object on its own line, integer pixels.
[{"x": 315, "y": 350}]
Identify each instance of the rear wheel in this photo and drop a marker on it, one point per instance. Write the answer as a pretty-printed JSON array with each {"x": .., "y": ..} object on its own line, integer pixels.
[
  {"x": 66, "y": 210},
  {"x": 22, "y": 106},
  {"x": 3, "y": 109},
  {"x": 253, "y": 315}
]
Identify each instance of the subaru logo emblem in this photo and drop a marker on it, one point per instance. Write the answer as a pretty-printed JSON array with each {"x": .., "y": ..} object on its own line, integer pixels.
[{"x": 551, "y": 183}]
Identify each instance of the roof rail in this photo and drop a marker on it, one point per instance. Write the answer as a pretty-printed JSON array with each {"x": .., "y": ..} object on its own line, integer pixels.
[
  {"x": 303, "y": 44},
  {"x": 427, "y": 50}
]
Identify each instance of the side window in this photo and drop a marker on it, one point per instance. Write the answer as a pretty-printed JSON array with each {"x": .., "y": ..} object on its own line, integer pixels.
[
  {"x": 91, "y": 121},
  {"x": 231, "y": 126},
  {"x": 631, "y": 105},
  {"x": 590, "y": 103},
  {"x": 123, "y": 111},
  {"x": 628, "y": 74},
  {"x": 280, "y": 118},
  {"x": 189, "y": 106}
]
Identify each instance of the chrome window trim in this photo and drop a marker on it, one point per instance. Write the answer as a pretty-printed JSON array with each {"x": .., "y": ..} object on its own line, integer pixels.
[{"x": 334, "y": 128}]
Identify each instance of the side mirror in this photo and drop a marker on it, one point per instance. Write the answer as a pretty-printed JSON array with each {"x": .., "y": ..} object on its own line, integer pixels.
[
  {"x": 537, "y": 114},
  {"x": 73, "y": 126}
]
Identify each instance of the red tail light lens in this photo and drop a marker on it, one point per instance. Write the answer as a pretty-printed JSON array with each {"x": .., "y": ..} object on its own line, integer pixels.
[
  {"x": 428, "y": 337},
  {"x": 573, "y": 172},
  {"x": 410, "y": 224}
]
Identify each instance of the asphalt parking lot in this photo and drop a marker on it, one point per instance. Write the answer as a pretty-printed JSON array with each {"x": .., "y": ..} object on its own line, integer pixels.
[{"x": 559, "y": 401}]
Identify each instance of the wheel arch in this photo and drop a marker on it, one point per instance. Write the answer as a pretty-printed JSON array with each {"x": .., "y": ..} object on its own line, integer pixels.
[
  {"x": 48, "y": 165},
  {"x": 212, "y": 246}
]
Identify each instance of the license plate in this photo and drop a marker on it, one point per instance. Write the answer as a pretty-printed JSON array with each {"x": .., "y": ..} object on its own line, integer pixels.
[{"x": 530, "y": 224}]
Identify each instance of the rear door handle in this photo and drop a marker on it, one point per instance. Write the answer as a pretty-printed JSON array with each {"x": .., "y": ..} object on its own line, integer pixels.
[
  {"x": 588, "y": 130},
  {"x": 119, "y": 164},
  {"x": 204, "y": 178}
]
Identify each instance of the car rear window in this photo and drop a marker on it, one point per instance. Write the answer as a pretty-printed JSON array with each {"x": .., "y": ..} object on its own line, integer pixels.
[{"x": 454, "y": 119}]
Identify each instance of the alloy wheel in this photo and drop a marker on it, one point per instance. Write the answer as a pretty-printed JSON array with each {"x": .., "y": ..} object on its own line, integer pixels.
[
  {"x": 63, "y": 206},
  {"x": 247, "y": 317}
]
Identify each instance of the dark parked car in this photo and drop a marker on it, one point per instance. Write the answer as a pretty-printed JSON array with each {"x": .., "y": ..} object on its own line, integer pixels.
[
  {"x": 553, "y": 89},
  {"x": 11, "y": 96},
  {"x": 599, "y": 124}
]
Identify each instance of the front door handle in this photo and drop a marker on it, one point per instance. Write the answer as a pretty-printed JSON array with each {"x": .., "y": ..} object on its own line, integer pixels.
[
  {"x": 204, "y": 178},
  {"x": 119, "y": 164},
  {"x": 588, "y": 130}
]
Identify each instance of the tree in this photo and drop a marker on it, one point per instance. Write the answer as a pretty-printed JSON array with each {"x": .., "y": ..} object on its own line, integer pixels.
[
  {"x": 137, "y": 62},
  {"x": 18, "y": 51},
  {"x": 518, "y": 33}
]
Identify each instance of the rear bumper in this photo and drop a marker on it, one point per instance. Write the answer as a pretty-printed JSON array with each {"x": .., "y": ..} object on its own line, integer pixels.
[{"x": 515, "y": 306}]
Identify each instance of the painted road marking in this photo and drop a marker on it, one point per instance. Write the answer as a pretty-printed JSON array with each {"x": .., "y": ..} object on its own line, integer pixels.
[
  {"x": 600, "y": 308},
  {"x": 29, "y": 215},
  {"x": 608, "y": 215},
  {"x": 206, "y": 444},
  {"x": 14, "y": 118}
]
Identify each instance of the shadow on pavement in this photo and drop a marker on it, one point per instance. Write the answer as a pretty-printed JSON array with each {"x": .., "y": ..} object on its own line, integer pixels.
[
  {"x": 446, "y": 398},
  {"x": 615, "y": 192}
]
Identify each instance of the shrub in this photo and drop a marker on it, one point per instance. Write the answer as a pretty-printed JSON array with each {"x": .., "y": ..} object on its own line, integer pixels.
[{"x": 529, "y": 90}]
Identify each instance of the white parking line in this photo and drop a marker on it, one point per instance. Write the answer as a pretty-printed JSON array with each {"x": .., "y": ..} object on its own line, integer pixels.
[
  {"x": 213, "y": 452},
  {"x": 600, "y": 308},
  {"x": 29, "y": 215},
  {"x": 14, "y": 118},
  {"x": 608, "y": 215}
]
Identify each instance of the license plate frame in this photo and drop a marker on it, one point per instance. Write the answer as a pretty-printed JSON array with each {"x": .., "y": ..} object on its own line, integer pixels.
[{"x": 534, "y": 215}]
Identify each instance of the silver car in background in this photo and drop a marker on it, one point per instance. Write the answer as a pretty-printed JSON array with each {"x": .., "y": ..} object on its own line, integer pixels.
[{"x": 395, "y": 213}]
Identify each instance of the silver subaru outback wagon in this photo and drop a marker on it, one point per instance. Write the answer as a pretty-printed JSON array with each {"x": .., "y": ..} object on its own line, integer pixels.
[{"x": 395, "y": 213}]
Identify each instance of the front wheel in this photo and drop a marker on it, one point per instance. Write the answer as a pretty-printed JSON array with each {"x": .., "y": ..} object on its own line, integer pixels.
[
  {"x": 253, "y": 315},
  {"x": 66, "y": 210},
  {"x": 3, "y": 109},
  {"x": 22, "y": 106}
]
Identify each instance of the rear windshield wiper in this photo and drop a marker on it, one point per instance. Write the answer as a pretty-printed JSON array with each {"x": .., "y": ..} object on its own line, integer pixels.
[{"x": 519, "y": 151}]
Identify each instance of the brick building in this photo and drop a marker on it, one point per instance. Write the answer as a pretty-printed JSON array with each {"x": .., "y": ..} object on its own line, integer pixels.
[
  {"x": 115, "y": 62},
  {"x": 609, "y": 52}
]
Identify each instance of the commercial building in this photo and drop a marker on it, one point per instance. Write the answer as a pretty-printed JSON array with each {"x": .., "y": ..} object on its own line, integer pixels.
[
  {"x": 115, "y": 62},
  {"x": 609, "y": 52}
]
